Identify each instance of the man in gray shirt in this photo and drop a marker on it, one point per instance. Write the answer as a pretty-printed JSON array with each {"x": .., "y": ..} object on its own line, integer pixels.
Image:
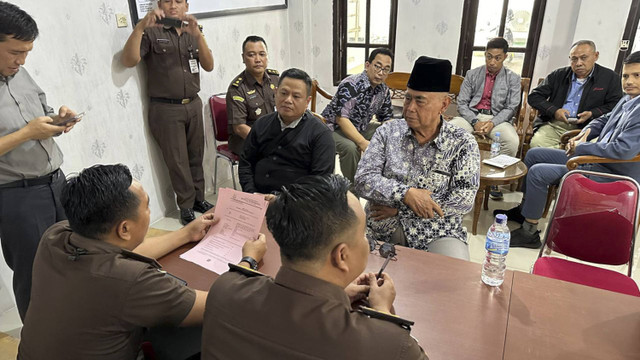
[
  {"x": 30, "y": 176},
  {"x": 489, "y": 99}
]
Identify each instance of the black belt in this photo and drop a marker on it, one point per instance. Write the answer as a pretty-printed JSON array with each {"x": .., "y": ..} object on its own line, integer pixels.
[
  {"x": 173, "y": 101},
  {"x": 42, "y": 180},
  {"x": 485, "y": 111}
]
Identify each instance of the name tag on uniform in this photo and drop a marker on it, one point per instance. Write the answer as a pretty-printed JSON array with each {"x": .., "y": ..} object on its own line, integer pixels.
[{"x": 193, "y": 64}]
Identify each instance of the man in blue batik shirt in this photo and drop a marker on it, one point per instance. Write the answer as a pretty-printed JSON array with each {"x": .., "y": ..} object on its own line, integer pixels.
[
  {"x": 420, "y": 174},
  {"x": 358, "y": 98},
  {"x": 618, "y": 137}
]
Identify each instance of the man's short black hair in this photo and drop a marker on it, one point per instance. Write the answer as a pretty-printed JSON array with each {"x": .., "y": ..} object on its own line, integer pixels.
[
  {"x": 297, "y": 74},
  {"x": 381, "y": 51},
  {"x": 305, "y": 217},
  {"x": 254, "y": 38},
  {"x": 498, "y": 43},
  {"x": 98, "y": 199},
  {"x": 17, "y": 23},
  {"x": 633, "y": 58}
]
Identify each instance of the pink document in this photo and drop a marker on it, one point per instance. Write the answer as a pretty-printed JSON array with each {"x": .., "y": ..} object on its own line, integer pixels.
[{"x": 241, "y": 216}]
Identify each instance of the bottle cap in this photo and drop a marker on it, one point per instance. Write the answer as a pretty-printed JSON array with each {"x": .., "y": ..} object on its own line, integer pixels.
[{"x": 501, "y": 218}]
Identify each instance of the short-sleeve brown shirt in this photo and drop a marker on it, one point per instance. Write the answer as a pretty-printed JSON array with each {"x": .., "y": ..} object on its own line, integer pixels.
[
  {"x": 295, "y": 316},
  {"x": 95, "y": 305},
  {"x": 167, "y": 56},
  {"x": 248, "y": 100}
]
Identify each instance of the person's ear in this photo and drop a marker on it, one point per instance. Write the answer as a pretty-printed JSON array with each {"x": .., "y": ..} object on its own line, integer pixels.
[
  {"x": 445, "y": 103},
  {"x": 340, "y": 257},
  {"x": 123, "y": 230},
  {"x": 597, "y": 55}
]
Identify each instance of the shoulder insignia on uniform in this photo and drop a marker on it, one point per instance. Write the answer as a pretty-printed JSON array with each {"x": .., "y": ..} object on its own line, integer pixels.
[
  {"x": 236, "y": 82},
  {"x": 273, "y": 87},
  {"x": 403, "y": 323},
  {"x": 142, "y": 258},
  {"x": 251, "y": 91},
  {"x": 238, "y": 98},
  {"x": 245, "y": 271},
  {"x": 273, "y": 72}
]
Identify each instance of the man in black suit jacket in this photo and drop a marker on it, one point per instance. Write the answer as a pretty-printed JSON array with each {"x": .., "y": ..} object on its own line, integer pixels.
[{"x": 570, "y": 97}]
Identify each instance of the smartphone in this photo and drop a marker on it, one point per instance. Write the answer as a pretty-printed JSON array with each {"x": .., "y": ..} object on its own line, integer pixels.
[
  {"x": 572, "y": 120},
  {"x": 170, "y": 22},
  {"x": 66, "y": 121}
]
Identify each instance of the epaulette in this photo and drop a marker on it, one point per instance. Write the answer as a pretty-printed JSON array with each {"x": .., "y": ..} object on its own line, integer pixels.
[
  {"x": 141, "y": 258},
  {"x": 403, "y": 323},
  {"x": 272, "y": 72},
  {"x": 245, "y": 271},
  {"x": 237, "y": 81}
]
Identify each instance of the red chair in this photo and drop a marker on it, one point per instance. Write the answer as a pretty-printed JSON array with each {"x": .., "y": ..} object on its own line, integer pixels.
[
  {"x": 593, "y": 222},
  {"x": 220, "y": 129}
]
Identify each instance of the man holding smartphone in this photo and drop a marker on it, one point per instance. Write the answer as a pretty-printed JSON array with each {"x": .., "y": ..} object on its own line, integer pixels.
[
  {"x": 30, "y": 175},
  {"x": 174, "y": 49}
]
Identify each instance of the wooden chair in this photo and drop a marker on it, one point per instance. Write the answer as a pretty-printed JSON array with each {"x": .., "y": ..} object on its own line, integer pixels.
[
  {"x": 573, "y": 164},
  {"x": 454, "y": 91},
  {"x": 484, "y": 143},
  {"x": 315, "y": 90},
  {"x": 397, "y": 83},
  {"x": 526, "y": 133}
]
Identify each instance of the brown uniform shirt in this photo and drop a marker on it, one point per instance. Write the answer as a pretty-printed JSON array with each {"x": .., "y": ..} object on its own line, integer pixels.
[
  {"x": 248, "y": 100},
  {"x": 94, "y": 305},
  {"x": 167, "y": 56},
  {"x": 295, "y": 316}
]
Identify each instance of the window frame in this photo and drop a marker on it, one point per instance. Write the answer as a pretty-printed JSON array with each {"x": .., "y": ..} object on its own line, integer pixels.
[
  {"x": 340, "y": 43},
  {"x": 629, "y": 34},
  {"x": 466, "y": 46}
]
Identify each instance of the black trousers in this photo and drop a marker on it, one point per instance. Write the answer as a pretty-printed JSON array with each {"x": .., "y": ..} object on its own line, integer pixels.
[{"x": 25, "y": 214}]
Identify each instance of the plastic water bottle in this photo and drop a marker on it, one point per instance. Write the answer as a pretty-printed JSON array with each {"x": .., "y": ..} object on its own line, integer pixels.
[
  {"x": 497, "y": 245},
  {"x": 495, "y": 145}
]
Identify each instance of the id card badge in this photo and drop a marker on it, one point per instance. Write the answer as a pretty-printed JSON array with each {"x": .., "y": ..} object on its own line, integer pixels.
[{"x": 193, "y": 64}]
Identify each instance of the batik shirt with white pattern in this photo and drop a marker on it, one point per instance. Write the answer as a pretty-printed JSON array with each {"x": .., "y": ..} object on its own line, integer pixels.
[
  {"x": 448, "y": 166},
  {"x": 358, "y": 101}
]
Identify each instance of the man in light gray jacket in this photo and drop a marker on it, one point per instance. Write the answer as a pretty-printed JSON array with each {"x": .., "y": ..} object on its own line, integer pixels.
[{"x": 488, "y": 100}]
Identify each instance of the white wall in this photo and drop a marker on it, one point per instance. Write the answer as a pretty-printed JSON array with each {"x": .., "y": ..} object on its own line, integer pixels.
[
  {"x": 427, "y": 27},
  {"x": 605, "y": 31}
]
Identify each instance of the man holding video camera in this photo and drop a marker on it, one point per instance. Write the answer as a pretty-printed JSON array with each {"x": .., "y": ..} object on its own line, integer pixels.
[{"x": 174, "y": 49}]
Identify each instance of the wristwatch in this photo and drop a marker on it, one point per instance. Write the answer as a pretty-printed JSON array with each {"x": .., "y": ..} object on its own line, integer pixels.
[
  {"x": 251, "y": 261},
  {"x": 474, "y": 121}
]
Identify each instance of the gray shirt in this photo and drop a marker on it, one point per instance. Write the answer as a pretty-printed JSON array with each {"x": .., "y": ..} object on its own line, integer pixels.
[{"x": 22, "y": 100}]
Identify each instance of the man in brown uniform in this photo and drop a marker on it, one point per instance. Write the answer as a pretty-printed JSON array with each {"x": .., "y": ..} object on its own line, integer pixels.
[
  {"x": 252, "y": 93},
  {"x": 96, "y": 285},
  {"x": 306, "y": 311},
  {"x": 174, "y": 56}
]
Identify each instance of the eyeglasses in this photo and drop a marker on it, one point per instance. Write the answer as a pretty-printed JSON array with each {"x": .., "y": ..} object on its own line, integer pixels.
[{"x": 384, "y": 71}]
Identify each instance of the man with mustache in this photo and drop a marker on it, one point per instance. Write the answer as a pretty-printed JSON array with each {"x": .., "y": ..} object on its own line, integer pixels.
[
  {"x": 570, "y": 97},
  {"x": 252, "y": 93}
]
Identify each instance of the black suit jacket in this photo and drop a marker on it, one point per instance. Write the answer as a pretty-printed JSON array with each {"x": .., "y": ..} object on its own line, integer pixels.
[{"x": 599, "y": 95}]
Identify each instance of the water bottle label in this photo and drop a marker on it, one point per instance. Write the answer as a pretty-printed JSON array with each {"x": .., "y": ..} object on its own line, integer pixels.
[{"x": 497, "y": 246}]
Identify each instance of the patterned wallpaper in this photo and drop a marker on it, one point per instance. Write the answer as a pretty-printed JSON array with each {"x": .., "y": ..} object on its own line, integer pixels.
[
  {"x": 76, "y": 62},
  {"x": 427, "y": 27}
]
